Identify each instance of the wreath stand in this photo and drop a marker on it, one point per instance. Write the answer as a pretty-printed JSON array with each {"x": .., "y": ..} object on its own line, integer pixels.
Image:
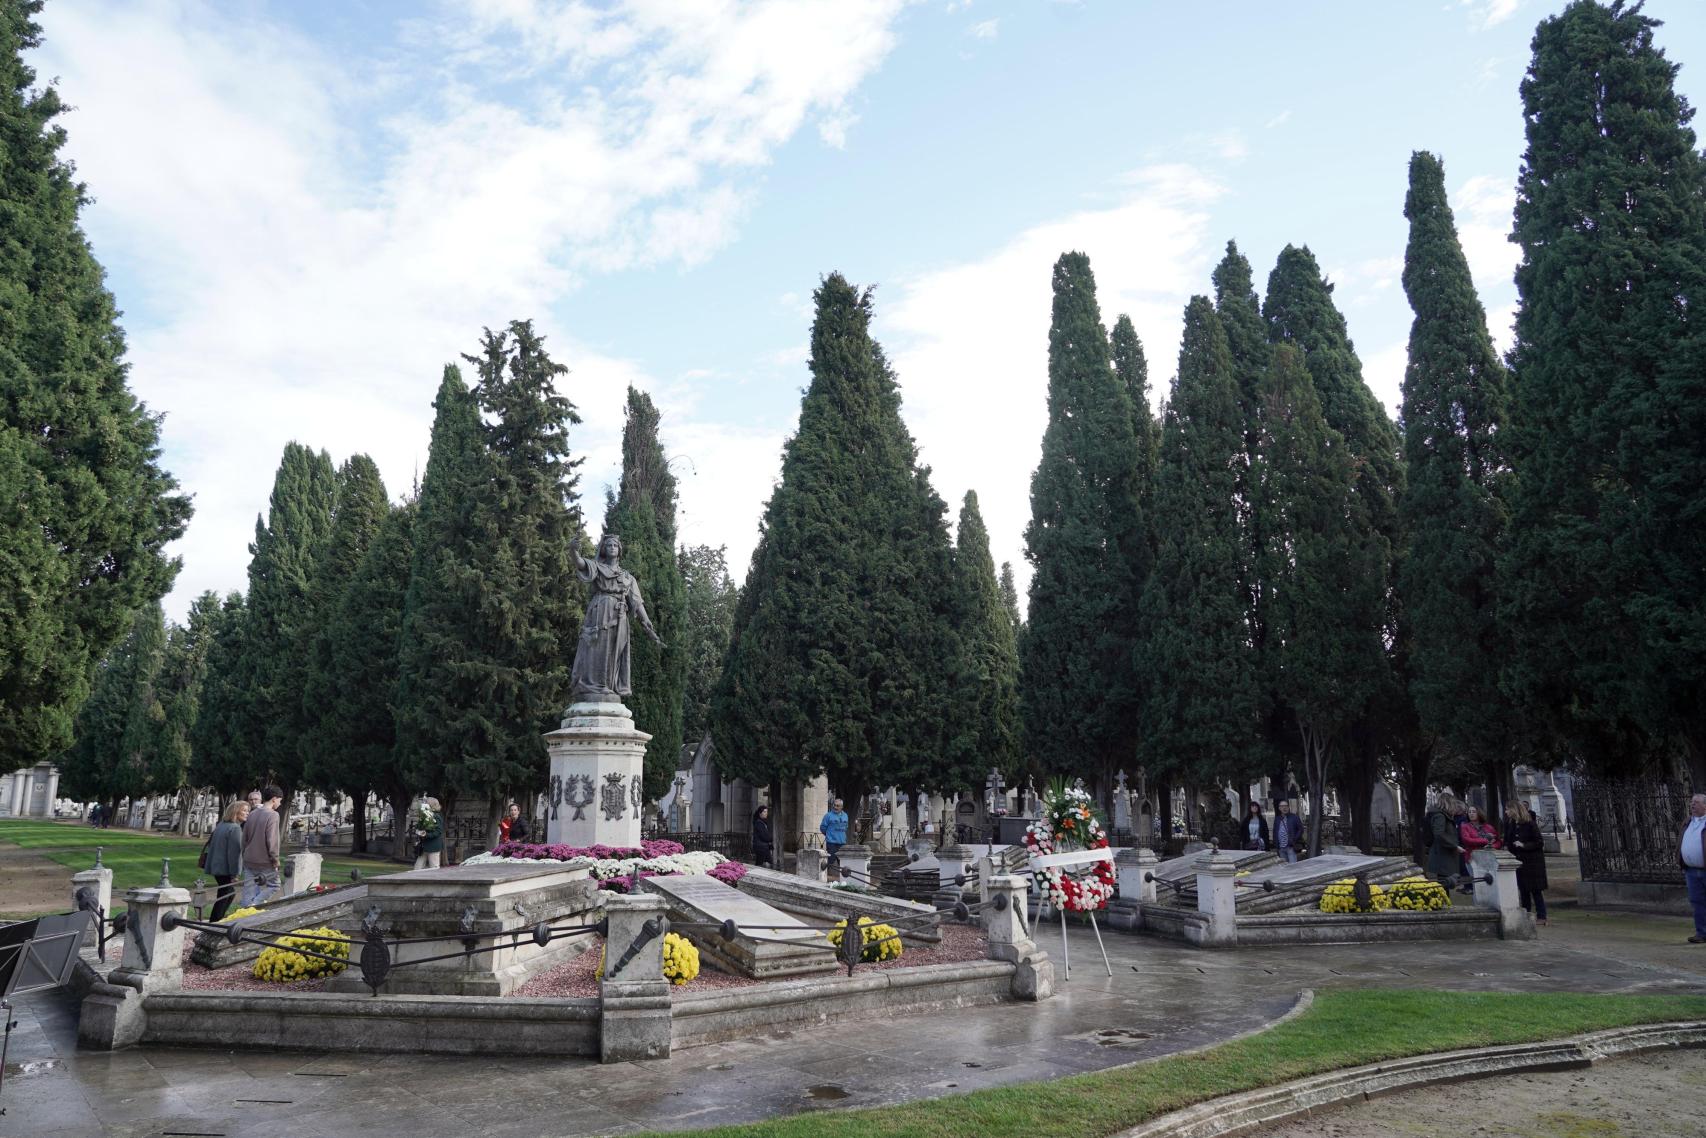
[{"x": 1065, "y": 862}]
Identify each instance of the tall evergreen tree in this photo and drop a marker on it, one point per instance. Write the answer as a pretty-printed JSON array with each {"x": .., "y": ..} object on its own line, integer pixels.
[
  {"x": 643, "y": 515},
  {"x": 362, "y": 507},
  {"x": 183, "y": 673},
  {"x": 1201, "y": 720},
  {"x": 363, "y": 637},
  {"x": 283, "y": 560},
  {"x": 85, "y": 510},
  {"x": 986, "y": 733},
  {"x": 707, "y": 622},
  {"x": 842, "y": 654},
  {"x": 1132, "y": 369},
  {"x": 120, "y": 723},
  {"x": 1010, "y": 599},
  {"x": 1605, "y": 572},
  {"x": 219, "y": 743},
  {"x": 1086, "y": 539},
  {"x": 1325, "y": 567},
  {"x": 1451, "y": 509},
  {"x": 530, "y": 598},
  {"x": 438, "y": 703}
]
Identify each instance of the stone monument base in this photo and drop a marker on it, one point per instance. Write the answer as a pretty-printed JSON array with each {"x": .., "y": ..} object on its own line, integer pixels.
[{"x": 597, "y": 768}]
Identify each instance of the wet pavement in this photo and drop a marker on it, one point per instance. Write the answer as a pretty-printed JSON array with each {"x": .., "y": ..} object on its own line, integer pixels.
[{"x": 1162, "y": 998}]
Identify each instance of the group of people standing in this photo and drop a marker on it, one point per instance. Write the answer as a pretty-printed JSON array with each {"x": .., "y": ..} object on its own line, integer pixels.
[
  {"x": 245, "y": 845},
  {"x": 1455, "y": 830},
  {"x": 1287, "y": 837}
]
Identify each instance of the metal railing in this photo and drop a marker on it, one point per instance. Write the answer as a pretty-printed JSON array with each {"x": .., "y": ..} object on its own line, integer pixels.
[{"x": 1628, "y": 830}]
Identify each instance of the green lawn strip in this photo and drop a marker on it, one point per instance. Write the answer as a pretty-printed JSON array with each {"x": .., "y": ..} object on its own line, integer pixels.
[
  {"x": 134, "y": 857},
  {"x": 1344, "y": 1028}
]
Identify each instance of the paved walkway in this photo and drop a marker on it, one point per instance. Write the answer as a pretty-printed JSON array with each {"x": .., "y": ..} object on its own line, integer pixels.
[{"x": 1162, "y": 998}]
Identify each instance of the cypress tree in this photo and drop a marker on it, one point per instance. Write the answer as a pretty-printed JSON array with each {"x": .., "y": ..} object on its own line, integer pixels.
[
  {"x": 1086, "y": 540},
  {"x": 119, "y": 724},
  {"x": 183, "y": 672},
  {"x": 1451, "y": 509},
  {"x": 842, "y": 651},
  {"x": 1010, "y": 599},
  {"x": 85, "y": 510},
  {"x": 708, "y": 615},
  {"x": 284, "y": 558},
  {"x": 529, "y": 594},
  {"x": 1605, "y": 569},
  {"x": 363, "y": 638},
  {"x": 219, "y": 749},
  {"x": 986, "y": 731},
  {"x": 362, "y": 507},
  {"x": 1200, "y": 721},
  {"x": 438, "y": 700},
  {"x": 643, "y": 515},
  {"x": 1132, "y": 370},
  {"x": 1324, "y": 565}
]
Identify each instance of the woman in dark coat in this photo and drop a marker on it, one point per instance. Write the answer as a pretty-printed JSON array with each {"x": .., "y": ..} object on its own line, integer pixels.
[
  {"x": 1255, "y": 832},
  {"x": 763, "y": 846},
  {"x": 1523, "y": 838},
  {"x": 225, "y": 857},
  {"x": 1445, "y": 850}
]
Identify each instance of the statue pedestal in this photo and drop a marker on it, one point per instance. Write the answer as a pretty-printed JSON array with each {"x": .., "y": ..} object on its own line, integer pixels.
[{"x": 597, "y": 759}]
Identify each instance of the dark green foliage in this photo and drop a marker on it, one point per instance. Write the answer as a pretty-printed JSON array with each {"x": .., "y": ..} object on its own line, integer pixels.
[
  {"x": 986, "y": 732},
  {"x": 284, "y": 558},
  {"x": 219, "y": 743},
  {"x": 1325, "y": 567},
  {"x": 437, "y": 703},
  {"x": 643, "y": 515},
  {"x": 1087, "y": 542},
  {"x": 361, "y": 509},
  {"x": 842, "y": 652},
  {"x": 1200, "y": 718},
  {"x": 85, "y": 510},
  {"x": 707, "y": 624},
  {"x": 1132, "y": 369},
  {"x": 120, "y": 723},
  {"x": 1010, "y": 599},
  {"x": 183, "y": 673},
  {"x": 1605, "y": 573},
  {"x": 363, "y": 637},
  {"x": 1452, "y": 513}
]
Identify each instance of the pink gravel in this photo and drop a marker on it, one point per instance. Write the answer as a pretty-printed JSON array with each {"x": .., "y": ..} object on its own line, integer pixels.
[{"x": 241, "y": 978}]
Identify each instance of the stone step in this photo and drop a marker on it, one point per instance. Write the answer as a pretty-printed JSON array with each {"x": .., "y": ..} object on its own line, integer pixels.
[{"x": 1304, "y": 893}]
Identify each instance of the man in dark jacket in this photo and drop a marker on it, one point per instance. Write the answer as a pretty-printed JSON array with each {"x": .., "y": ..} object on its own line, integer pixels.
[
  {"x": 1288, "y": 830},
  {"x": 1691, "y": 853}
]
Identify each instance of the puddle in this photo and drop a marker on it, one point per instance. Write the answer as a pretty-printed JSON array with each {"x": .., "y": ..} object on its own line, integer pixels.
[
  {"x": 1120, "y": 1037},
  {"x": 721, "y": 1067},
  {"x": 31, "y": 1066},
  {"x": 971, "y": 1064},
  {"x": 827, "y": 1092}
]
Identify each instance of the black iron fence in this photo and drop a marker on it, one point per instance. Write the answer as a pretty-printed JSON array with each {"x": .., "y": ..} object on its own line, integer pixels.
[
  {"x": 733, "y": 845},
  {"x": 1630, "y": 830}
]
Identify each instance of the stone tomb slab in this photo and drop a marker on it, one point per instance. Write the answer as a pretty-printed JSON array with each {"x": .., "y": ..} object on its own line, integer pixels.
[
  {"x": 770, "y": 943},
  {"x": 1183, "y": 870},
  {"x": 1308, "y": 874}
]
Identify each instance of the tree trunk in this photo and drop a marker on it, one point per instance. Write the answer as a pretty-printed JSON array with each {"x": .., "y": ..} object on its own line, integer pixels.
[
  {"x": 402, "y": 839},
  {"x": 1416, "y": 798},
  {"x": 1317, "y": 751},
  {"x": 358, "y": 823},
  {"x": 186, "y": 807}
]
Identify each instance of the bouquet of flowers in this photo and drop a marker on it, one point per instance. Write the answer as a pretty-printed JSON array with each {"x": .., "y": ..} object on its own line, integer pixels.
[
  {"x": 1069, "y": 822},
  {"x": 427, "y": 822}
]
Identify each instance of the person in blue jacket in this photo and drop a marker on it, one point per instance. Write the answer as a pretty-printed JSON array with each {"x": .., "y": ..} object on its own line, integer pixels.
[{"x": 834, "y": 831}]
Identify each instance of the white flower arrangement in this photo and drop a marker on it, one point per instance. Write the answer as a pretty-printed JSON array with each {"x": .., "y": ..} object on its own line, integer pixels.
[{"x": 603, "y": 869}]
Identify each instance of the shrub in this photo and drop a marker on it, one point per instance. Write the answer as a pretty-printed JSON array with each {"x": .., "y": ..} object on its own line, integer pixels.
[
  {"x": 878, "y": 942},
  {"x": 1418, "y": 895},
  {"x": 280, "y": 965},
  {"x": 248, "y": 911},
  {"x": 680, "y": 960},
  {"x": 1340, "y": 897}
]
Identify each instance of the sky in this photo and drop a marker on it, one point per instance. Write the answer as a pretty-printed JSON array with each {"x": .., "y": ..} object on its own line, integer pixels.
[{"x": 306, "y": 208}]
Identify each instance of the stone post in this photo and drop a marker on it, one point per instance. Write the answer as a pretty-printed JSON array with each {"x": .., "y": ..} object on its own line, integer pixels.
[
  {"x": 99, "y": 881},
  {"x": 1010, "y": 937},
  {"x": 1514, "y": 924},
  {"x": 855, "y": 862},
  {"x": 303, "y": 874},
  {"x": 808, "y": 863},
  {"x": 951, "y": 860},
  {"x": 112, "y": 1015},
  {"x": 635, "y": 1018},
  {"x": 1217, "y": 898},
  {"x": 1132, "y": 866}
]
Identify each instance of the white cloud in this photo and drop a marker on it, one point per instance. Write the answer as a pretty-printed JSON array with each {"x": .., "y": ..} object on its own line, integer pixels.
[
  {"x": 1280, "y": 119},
  {"x": 1483, "y": 207},
  {"x": 1484, "y": 14},
  {"x": 298, "y": 279},
  {"x": 1383, "y": 371},
  {"x": 1363, "y": 282},
  {"x": 986, "y": 29},
  {"x": 970, "y": 341}
]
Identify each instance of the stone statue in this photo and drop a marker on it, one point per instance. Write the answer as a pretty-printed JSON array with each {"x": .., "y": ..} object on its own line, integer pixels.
[{"x": 601, "y": 673}]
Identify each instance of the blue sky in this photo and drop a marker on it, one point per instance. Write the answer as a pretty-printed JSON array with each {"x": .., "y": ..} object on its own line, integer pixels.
[{"x": 307, "y": 208}]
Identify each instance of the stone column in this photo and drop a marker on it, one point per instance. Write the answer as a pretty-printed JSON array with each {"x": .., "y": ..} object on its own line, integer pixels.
[
  {"x": 635, "y": 1017},
  {"x": 808, "y": 863},
  {"x": 112, "y": 1014},
  {"x": 303, "y": 873},
  {"x": 1217, "y": 899},
  {"x": 99, "y": 881},
  {"x": 951, "y": 861},
  {"x": 856, "y": 864},
  {"x": 1514, "y": 924},
  {"x": 1010, "y": 937},
  {"x": 1132, "y": 866},
  {"x": 52, "y": 790},
  {"x": 21, "y": 791},
  {"x": 597, "y": 758}
]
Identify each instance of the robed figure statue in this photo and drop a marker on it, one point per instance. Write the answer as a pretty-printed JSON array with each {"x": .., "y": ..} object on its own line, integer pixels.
[{"x": 601, "y": 672}]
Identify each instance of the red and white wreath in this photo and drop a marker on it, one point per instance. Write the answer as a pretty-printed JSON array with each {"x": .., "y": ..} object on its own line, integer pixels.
[{"x": 1069, "y": 823}]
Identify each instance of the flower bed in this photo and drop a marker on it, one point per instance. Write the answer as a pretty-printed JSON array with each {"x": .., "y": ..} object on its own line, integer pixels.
[
  {"x": 1340, "y": 897},
  {"x": 619, "y": 868}
]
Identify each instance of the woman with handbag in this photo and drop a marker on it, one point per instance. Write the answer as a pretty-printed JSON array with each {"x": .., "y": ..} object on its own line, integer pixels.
[
  {"x": 1255, "y": 828},
  {"x": 222, "y": 857}
]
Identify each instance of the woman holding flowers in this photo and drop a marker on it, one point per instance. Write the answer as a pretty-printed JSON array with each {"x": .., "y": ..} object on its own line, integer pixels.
[{"x": 429, "y": 834}]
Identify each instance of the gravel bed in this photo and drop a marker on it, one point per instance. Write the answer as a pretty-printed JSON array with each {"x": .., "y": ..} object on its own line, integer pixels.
[{"x": 240, "y": 978}]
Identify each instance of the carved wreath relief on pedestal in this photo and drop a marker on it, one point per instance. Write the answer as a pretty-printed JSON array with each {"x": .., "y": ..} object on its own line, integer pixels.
[
  {"x": 577, "y": 795},
  {"x": 614, "y": 799}
]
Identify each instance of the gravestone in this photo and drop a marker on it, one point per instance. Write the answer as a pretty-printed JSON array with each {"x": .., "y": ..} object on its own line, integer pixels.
[
  {"x": 1122, "y": 805},
  {"x": 768, "y": 942}
]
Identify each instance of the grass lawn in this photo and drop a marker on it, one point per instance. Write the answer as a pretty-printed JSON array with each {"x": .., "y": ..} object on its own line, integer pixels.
[
  {"x": 1344, "y": 1028},
  {"x": 134, "y": 856}
]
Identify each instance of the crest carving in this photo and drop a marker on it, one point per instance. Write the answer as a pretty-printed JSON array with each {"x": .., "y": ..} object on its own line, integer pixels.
[{"x": 614, "y": 798}]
